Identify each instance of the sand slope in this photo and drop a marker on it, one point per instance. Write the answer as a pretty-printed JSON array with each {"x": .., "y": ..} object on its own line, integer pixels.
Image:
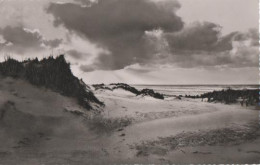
[{"x": 36, "y": 128}]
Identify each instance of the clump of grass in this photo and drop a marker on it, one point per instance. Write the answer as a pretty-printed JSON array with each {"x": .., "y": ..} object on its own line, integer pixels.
[{"x": 52, "y": 73}]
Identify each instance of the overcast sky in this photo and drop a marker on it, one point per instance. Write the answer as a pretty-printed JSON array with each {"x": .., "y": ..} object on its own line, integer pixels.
[{"x": 138, "y": 41}]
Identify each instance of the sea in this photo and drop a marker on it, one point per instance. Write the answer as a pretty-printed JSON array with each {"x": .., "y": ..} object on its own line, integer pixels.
[{"x": 192, "y": 89}]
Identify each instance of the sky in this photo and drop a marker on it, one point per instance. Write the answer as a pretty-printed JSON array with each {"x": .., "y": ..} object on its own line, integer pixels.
[{"x": 138, "y": 41}]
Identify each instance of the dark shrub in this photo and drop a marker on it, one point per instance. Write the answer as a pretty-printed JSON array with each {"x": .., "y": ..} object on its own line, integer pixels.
[{"x": 150, "y": 92}]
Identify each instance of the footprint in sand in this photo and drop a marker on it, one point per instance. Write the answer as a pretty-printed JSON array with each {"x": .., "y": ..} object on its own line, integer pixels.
[
  {"x": 105, "y": 152},
  {"x": 255, "y": 152},
  {"x": 122, "y": 134},
  {"x": 165, "y": 160},
  {"x": 47, "y": 138},
  {"x": 198, "y": 152},
  {"x": 40, "y": 134},
  {"x": 23, "y": 143},
  {"x": 4, "y": 153}
]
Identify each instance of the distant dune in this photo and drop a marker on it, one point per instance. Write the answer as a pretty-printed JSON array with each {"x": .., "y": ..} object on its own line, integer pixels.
[{"x": 126, "y": 87}]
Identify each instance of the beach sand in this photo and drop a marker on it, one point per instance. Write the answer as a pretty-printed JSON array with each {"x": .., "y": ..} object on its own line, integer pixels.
[{"x": 37, "y": 128}]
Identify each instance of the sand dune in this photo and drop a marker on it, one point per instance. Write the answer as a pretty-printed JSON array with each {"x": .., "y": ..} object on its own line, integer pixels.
[
  {"x": 156, "y": 119},
  {"x": 39, "y": 126}
]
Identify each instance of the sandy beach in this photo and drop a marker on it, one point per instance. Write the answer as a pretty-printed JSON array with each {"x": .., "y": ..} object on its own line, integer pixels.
[{"x": 130, "y": 129}]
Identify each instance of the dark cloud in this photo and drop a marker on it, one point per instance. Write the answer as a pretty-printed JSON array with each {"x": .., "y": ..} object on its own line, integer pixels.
[
  {"x": 118, "y": 26},
  {"x": 20, "y": 40},
  {"x": 252, "y": 35},
  {"x": 86, "y": 68},
  {"x": 53, "y": 43},
  {"x": 75, "y": 54},
  {"x": 200, "y": 37},
  {"x": 202, "y": 45}
]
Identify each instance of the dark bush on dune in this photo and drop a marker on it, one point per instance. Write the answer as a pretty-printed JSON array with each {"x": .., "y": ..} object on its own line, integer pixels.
[
  {"x": 52, "y": 73},
  {"x": 101, "y": 86},
  {"x": 231, "y": 96},
  {"x": 125, "y": 87},
  {"x": 192, "y": 96},
  {"x": 250, "y": 97},
  {"x": 150, "y": 92}
]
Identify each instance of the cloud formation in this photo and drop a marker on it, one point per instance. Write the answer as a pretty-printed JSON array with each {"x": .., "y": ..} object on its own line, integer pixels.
[
  {"x": 118, "y": 26},
  {"x": 21, "y": 40},
  {"x": 147, "y": 32},
  {"x": 202, "y": 44},
  {"x": 251, "y": 35},
  {"x": 199, "y": 36}
]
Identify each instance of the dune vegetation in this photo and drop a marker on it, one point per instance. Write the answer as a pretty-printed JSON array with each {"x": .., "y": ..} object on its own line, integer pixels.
[
  {"x": 229, "y": 96},
  {"x": 52, "y": 73}
]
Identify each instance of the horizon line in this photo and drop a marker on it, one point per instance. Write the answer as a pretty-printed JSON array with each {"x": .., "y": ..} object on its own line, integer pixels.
[{"x": 182, "y": 84}]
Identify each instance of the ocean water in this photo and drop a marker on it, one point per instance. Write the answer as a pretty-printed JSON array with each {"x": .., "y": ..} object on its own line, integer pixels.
[{"x": 192, "y": 89}]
